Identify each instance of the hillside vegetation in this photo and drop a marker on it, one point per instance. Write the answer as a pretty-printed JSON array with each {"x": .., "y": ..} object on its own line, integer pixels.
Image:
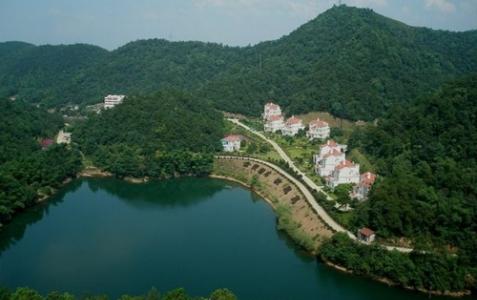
[
  {"x": 163, "y": 135},
  {"x": 348, "y": 61},
  {"x": 27, "y": 172},
  {"x": 427, "y": 156}
]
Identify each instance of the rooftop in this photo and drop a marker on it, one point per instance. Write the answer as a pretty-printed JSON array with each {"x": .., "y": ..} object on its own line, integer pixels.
[
  {"x": 367, "y": 179},
  {"x": 275, "y": 118},
  {"x": 345, "y": 164},
  {"x": 293, "y": 120},
  {"x": 318, "y": 123},
  {"x": 366, "y": 232},
  {"x": 233, "y": 138}
]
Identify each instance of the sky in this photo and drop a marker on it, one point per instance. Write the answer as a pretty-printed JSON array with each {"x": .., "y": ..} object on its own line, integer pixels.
[{"x": 113, "y": 23}]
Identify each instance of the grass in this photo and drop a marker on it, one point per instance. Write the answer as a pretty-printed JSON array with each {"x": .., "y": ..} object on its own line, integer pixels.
[
  {"x": 365, "y": 165},
  {"x": 292, "y": 228}
]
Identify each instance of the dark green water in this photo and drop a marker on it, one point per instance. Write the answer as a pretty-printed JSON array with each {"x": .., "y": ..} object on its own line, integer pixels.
[{"x": 107, "y": 236}]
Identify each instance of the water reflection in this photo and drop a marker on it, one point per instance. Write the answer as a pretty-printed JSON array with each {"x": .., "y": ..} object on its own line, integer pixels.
[
  {"x": 167, "y": 193},
  {"x": 14, "y": 231}
]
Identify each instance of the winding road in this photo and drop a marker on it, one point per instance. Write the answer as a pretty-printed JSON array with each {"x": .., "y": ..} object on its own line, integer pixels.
[{"x": 311, "y": 185}]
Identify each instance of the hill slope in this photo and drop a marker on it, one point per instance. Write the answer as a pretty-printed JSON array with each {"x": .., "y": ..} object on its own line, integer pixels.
[
  {"x": 26, "y": 171},
  {"x": 352, "y": 62},
  {"x": 426, "y": 155}
]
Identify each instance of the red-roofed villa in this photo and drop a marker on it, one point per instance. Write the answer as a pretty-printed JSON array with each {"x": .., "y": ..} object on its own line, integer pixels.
[
  {"x": 292, "y": 126},
  {"x": 232, "y": 143},
  {"x": 361, "y": 191},
  {"x": 318, "y": 129},
  {"x": 366, "y": 235}
]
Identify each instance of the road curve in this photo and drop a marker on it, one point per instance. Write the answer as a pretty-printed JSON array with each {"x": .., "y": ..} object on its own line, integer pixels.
[{"x": 312, "y": 185}]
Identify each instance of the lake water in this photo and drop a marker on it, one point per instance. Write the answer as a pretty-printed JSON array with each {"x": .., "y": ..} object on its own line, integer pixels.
[{"x": 105, "y": 236}]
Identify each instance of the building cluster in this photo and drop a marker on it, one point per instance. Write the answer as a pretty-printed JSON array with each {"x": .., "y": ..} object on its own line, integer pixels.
[
  {"x": 111, "y": 101},
  {"x": 274, "y": 121},
  {"x": 331, "y": 164}
]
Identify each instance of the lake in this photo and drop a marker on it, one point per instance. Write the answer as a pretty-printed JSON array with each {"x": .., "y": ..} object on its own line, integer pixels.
[{"x": 106, "y": 236}]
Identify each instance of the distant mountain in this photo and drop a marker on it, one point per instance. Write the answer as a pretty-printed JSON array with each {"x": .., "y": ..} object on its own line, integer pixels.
[{"x": 352, "y": 62}]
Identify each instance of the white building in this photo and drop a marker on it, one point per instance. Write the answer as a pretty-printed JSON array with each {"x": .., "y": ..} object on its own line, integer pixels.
[
  {"x": 271, "y": 110},
  {"x": 327, "y": 148},
  {"x": 111, "y": 101},
  {"x": 63, "y": 137},
  {"x": 345, "y": 172},
  {"x": 318, "y": 129},
  {"x": 366, "y": 235},
  {"x": 360, "y": 192},
  {"x": 327, "y": 164},
  {"x": 292, "y": 126},
  {"x": 232, "y": 143},
  {"x": 274, "y": 124}
]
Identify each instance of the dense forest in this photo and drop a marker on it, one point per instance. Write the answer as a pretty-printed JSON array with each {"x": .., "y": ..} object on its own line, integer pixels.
[
  {"x": 351, "y": 62},
  {"x": 424, "y": 271},
  {"x": 166, "y": 134},
  {"x": 153, "y": 294},
  {"x": 26, "y": 171},
  {"x": 426, "y": 155}
]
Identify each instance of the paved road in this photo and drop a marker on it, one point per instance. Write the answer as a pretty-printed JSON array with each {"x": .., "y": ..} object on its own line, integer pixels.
[{"x": 312, "y": 185}]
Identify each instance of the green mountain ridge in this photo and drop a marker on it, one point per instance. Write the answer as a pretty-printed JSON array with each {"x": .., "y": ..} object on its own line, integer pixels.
[{"x": 349, "y": 61}]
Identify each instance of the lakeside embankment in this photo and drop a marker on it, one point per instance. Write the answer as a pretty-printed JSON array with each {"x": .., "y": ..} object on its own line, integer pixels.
[
  {"x": 252, "y": 175},
  {"x": 295, "y": 215}
]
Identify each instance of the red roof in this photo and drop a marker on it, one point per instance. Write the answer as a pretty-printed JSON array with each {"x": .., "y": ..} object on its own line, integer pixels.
[
  {"x": 46, "y": 142},
  {"x": 366, "y": 232},
  {"x": 293, "y": 120},
  {"x": 345, "y": 164},
  {"x": 318, "y": 123},
  {"x": 275, "y": 118},
  {"x": 367, "y": 179},
  {"x": 233, "y": 138}
]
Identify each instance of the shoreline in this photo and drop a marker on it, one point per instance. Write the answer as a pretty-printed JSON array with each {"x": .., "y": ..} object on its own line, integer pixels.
[
  {"x": 97, "y": 173},
  {"x": 456, "y": 294},
  {"x": 390, "y": 283}
]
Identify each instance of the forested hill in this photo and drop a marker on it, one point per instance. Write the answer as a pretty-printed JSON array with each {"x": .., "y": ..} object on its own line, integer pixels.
[
  {"x": 427, "y": 156},
  {"x": 162, "y": 135},
  {"x": 26, "y": 171},
  {"x": 349, "y": 61}
]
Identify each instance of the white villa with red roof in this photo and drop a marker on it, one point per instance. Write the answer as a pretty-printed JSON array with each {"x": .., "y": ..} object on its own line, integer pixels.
[
  {"x": 327, "y": 147},
  {"x": 366, "y": 235},
  {"x": 271, "y": 110},
  {"x": 318, "y": 129},
  {"x": 345, "y": 172},
  {"x": 327, "y": 164},
  {"x": 360, "y": 192},
  {"x": 292, "y": 126},
  {"x": 232, "y": 143},
  {"x": 272, "y": 115},
  {"x": 274, "y": 124}
]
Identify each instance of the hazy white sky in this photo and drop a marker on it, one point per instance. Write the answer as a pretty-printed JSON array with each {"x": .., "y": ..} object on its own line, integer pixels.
[{"x": 112, "y": 23}]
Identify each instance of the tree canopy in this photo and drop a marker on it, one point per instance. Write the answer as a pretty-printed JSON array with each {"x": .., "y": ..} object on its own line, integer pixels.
[
  {"x": 349, "y": 61},
  {"x": 162, "y": 135},
  {"x": 427, "y": 156}
]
